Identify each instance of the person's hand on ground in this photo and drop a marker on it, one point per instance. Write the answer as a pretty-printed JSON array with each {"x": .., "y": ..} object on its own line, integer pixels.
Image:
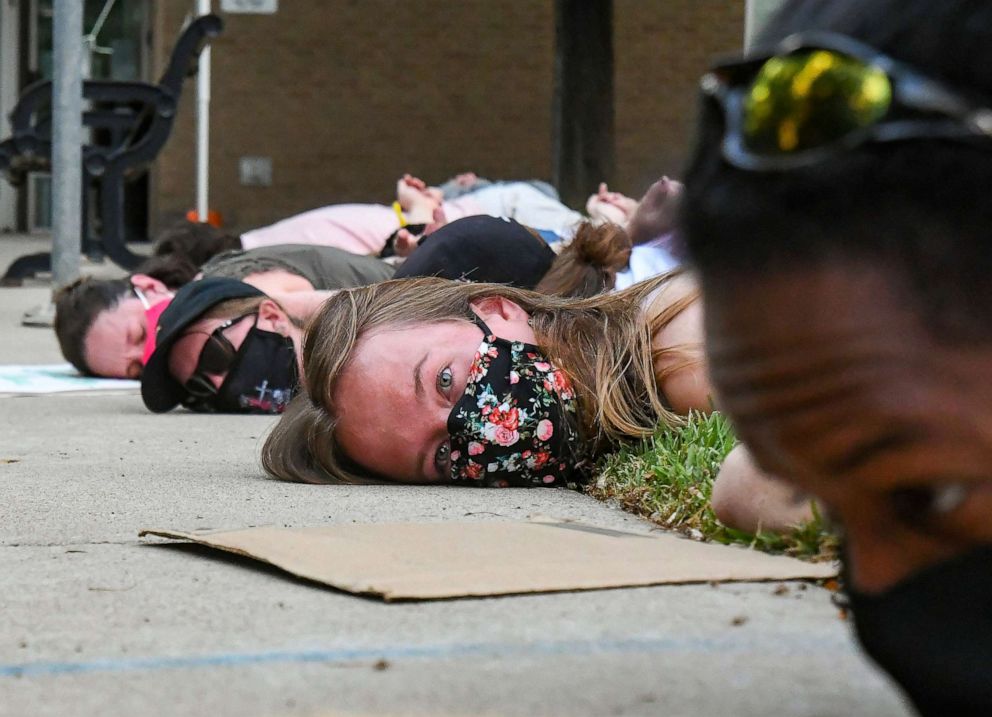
[
  {"x": 414, "y": 194},
  {"x": 406, "y": 243},
  {"x": 438, "y": 220},
  {"x": 657, "y": 212},
  {"x": 746, "y": 498},
  {"x": 607, "y": 206}
]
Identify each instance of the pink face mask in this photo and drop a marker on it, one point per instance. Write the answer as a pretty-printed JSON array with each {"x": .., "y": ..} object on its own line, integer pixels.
[{"x": 152, "y": 313}]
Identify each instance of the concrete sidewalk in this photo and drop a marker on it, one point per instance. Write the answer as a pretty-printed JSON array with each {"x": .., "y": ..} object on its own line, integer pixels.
[{"x": 96, "y": 623}]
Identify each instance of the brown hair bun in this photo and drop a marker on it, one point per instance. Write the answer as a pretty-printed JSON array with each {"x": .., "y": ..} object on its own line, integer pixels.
[{"x": 589, "y": 264}]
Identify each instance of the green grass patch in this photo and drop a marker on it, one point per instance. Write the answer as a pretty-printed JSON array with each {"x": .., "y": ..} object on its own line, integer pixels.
[{"x": 669, "y": 478}]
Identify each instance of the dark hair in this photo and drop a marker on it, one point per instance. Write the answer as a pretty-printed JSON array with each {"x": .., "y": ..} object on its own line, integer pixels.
[
  {"x": 589, "y": 264},
  {"x": 173, "y": 270},
  {"x": 176, "y": 258},
  {"x": 76, "y": 307},
  {"x": 918, "y": 208},
  {"x": 194, "y": 241}
]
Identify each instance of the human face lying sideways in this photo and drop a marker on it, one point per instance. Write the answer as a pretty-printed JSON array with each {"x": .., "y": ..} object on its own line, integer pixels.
[
  {"x": 117, "y": 343},
  {"x": 834, "y": 384},
  {"x": 400, "y": 394},
  {"x": 210, "y": 350}
]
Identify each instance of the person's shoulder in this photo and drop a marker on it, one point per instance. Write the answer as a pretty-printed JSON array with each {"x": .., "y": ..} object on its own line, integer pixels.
[{"x": 666, "y": 290}]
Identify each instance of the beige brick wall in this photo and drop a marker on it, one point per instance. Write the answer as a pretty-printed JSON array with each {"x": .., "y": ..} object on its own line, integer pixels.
[
  {"x": 662, "y": 47},
  {"x": 346, "y": 95}
]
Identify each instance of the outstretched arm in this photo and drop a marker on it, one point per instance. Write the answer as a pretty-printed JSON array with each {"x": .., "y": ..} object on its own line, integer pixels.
[
  {"x": 607, "y": 206},
  {"x": 746, "y": 498},
  {"x": 417, "y": 199}
]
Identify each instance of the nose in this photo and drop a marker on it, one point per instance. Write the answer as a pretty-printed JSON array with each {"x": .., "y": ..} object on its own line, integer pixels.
[{"x": 877, "y": 562}]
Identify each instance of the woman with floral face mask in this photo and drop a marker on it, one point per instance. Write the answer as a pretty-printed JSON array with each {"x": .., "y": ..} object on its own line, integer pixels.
[{"x": 433, "y": 381}]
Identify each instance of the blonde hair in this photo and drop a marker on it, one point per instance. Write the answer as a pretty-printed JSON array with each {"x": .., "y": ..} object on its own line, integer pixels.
[{"x": 603, "y": 343}]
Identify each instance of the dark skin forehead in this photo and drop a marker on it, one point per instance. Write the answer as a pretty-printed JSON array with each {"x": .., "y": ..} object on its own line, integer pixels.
[
  {"x": 835, "y": 386},
  {"x": 828, "y": 371}
]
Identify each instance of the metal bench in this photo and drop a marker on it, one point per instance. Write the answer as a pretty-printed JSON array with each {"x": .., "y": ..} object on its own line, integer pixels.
[{"x": 128, "y": 124}]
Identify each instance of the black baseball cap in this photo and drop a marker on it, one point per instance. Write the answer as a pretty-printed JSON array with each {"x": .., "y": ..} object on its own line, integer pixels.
[
  {"x": 481, "y": 248},
  {"x": 159, "y": 390}
]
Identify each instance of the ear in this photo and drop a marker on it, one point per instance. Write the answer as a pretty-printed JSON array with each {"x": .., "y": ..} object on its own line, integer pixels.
[
  {"x": 507, "y": 319},
  {"x": 492, "y": 307},
  {"x": 272, "y": 317},
  {"x": 148, "y": 284}
]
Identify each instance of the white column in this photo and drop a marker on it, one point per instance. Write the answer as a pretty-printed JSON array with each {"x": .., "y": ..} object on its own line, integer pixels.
[{"x": 203, "y": 124}]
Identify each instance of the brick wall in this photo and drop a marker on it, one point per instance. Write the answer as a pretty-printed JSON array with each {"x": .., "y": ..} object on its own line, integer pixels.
[
  {"x": 662, "y": 47},
  {"x": 346, "y": 95}
]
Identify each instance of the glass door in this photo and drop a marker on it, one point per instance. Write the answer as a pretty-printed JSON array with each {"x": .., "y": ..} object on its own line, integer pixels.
[
  {"x": 9, "y": 69},
  {"x": 115, "y": 37}
]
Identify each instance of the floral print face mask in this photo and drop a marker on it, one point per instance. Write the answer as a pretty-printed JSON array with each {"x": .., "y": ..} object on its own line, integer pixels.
[{"x": 516, "y": 423}]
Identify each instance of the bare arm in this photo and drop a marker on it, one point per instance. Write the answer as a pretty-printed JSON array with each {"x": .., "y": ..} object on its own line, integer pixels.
[
  {"x": 680, "y": 364},
  {"x": 417, "y": 199},
  {"x": 746, "y": 498}
]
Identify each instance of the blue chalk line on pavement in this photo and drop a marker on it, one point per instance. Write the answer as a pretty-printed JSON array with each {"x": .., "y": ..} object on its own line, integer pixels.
[{"x": 439, "y": 651}]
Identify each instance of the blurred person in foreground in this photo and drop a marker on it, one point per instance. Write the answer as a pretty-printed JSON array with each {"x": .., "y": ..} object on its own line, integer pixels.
[{"x": 837, "y": 214}]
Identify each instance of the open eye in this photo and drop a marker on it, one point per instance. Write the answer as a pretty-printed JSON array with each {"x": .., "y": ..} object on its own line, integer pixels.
[
  {"x": 444, "y": 378},
  {"x": 918, "y": 504},
  {"x": 442, "y": 459}
]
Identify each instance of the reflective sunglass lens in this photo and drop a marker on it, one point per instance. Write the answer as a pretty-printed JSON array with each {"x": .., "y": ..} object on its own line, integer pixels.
[
  {"x": 811, "y": 99},
  {"x": 216, "y": 356},
  {"x": 200, "y": 386}
]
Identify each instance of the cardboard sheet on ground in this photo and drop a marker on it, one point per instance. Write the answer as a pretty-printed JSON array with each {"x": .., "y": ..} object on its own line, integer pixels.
[
  {"x": 55, "y": 378},
  {"x": 425, "y": 561}
]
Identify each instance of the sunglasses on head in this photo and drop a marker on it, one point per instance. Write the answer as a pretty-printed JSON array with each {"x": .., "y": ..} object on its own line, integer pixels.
[
  {"x": 819, "y": 94},
  {"x": 216, "y": 358}
]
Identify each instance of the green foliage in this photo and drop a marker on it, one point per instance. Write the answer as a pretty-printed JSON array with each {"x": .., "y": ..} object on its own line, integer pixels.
[{"x": 669, "y": 478}]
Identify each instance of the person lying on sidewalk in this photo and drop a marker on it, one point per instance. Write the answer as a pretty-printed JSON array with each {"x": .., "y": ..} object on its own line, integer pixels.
[
  {"x": 184, "y": 363},
  {"x": 837, "y": 212},
  {"x": 107, "y": 327},
  {"x": 650, "y": 219},
  {"x": 433, "y": 381},
  {"x": 590, "y": 262},
  {"x": 366, "y": 228},
  {"x": 225, "y": 346}
]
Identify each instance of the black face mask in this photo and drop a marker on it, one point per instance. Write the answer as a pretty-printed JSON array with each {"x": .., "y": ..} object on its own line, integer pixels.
[
  {"x": 933, "y": 634},
  {"x": 262, "y": 378},
  {"x": 516, "y": 423}
]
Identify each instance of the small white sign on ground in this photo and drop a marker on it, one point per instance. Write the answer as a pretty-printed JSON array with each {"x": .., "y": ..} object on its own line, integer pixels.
[{"x": 56, "y": 378}]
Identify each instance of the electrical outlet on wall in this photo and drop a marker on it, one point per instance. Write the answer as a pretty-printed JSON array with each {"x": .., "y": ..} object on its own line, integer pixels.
[
  {"x": 255, "y": 171},
  {"x": 261, "y": 7}
]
